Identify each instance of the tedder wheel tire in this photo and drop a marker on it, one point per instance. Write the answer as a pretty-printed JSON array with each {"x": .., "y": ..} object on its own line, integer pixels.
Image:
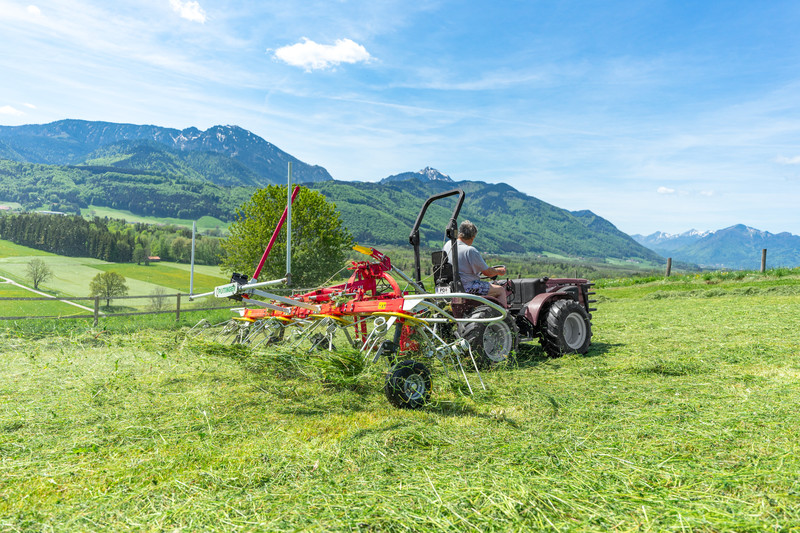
[
  {"x": 568, "y": 329},
  {"x": 408, "y": 385},
  {"x": 491, "y": 342}
]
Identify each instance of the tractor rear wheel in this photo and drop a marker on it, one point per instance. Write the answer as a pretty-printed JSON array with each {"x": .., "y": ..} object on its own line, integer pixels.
[
  {"x": 568, "y": 329},
  {"x": 491, "y": 342},
  {"x": 408, "y": 385}
]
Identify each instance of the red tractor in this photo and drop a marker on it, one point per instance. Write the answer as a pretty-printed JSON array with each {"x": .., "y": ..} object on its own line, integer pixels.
[{"x": 555, "y": 311}]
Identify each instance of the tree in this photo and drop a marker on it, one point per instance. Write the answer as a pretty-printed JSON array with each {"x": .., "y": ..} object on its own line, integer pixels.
[
  {"x": 108, "y": 285},
  {"x": 39, "y": 272},
  {"x": 320, "y": 241},
  {"x": 158, "y": 299},
  {"x": 139, "y": 255},
  {"x": 181, "y": 249}
]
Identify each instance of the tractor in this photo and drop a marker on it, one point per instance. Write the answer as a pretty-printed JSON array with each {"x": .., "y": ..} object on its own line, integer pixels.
[{"x": 555, "y": 311}]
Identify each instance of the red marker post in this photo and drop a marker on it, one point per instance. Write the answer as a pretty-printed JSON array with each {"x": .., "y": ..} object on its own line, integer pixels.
[{"x": 275, "y": 235}]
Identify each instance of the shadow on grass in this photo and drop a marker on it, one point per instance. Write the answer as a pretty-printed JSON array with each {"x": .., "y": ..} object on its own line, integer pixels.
[
  {"x": 600, "y": 348},
  {"x": 531, "y": 355}
]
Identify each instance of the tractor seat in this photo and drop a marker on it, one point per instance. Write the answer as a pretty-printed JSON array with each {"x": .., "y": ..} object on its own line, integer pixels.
[{"x": 442, "y": 269}]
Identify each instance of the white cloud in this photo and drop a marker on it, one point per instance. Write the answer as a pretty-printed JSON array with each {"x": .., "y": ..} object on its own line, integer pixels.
[
  {"x": 35, "y": 11},
  {"x": 190, "y": 10},
  {"x": 788, "y": 160},
  {"x": 30, "y": 106},
  {"x": 8, "y": 110},
  {"x": 665, "y": 190},
  {"x": 312, "y": 56},
  {"x": 707, "y": 193}
]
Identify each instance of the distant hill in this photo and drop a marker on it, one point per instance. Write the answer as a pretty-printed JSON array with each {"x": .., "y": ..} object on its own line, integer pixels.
[
  {"x": 73, "y": 142},
  {"x": 149, "y": 170},
  {"x": 426, "y": 174},
  {"x": 507, "y": 220},
  {"x": 737, "y": 247},
  {"x": 143, "y": 192},
  {"x": 153, "y": 157}
]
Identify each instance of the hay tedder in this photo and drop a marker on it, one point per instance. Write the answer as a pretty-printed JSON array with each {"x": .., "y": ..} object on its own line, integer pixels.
[{"x": 384, "y": 313}]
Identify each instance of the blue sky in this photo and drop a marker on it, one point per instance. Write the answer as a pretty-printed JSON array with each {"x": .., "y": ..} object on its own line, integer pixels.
[{"x": 657, "y": 115}]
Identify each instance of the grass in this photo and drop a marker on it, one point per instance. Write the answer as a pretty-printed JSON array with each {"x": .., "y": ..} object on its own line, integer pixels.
[
  {"x": 72, "y": 277},
  {"x": 204, "y": 223},
  {"x": 32, "y": 308},
  {"x": 9, "y": 249},
  {"x": 165, "y": 275},
  {"x": 683, "y": 416}
]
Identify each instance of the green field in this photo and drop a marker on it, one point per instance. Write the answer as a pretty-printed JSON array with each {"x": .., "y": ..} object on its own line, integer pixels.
[
  {"x": 72, "y": 276},
  {"x": 682, "y": 417},
  {"x": 205, "y": 223},
  {"x": 22, "y": 308}
]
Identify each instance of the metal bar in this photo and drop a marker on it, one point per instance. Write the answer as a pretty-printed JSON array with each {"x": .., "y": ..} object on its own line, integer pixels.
[
  {"x": 464, "y": 295},
  {"x": 275, "y": 234},
  {"x": 191, "y": 269},
  {"x": 104, "y": 315},
  {"x": 289, "y": 202},
  {"x": 414, "y": 239},
  {"x": 408, "y": 279},
  {"x": 287, "y": 301}
]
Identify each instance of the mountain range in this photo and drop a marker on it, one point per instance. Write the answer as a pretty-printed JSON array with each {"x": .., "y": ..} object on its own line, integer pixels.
[
  {"x": 736, "y": 247},
  {"x": 241, "y": 156},
  {"x": 150, "y": 170}
]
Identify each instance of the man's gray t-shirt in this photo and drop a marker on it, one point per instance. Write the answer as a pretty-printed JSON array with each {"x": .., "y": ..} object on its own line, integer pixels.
[{"x": 470, "y": 262}]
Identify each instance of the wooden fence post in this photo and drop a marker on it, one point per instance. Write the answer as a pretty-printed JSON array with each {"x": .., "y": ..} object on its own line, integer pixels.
[
  {"x": 96, "y": 310},
  {"x": 178, "y": 307},
  {"x": 763, "y": 260},
  {"x": 669, "y": 266}
]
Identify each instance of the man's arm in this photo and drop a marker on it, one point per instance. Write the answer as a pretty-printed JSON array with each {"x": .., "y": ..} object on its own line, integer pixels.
[{"x": 494, "y": 271}]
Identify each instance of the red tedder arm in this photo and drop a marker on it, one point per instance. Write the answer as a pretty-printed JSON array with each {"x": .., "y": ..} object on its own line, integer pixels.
[{"x": 275, "y": 235}]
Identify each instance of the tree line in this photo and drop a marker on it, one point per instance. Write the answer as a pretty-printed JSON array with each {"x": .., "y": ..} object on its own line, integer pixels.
[{"x": 107, "y": 239}]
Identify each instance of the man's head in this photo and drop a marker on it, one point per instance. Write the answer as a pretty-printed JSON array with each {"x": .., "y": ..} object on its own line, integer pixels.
[{"x": 467, "y": 231}]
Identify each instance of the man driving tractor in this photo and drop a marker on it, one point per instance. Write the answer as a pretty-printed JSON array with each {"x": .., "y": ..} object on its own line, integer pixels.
[{"x": 471, "y": 265}]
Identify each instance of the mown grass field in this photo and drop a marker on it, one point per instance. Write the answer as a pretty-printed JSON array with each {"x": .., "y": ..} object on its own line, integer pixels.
[{"x": 682, "y": 417}]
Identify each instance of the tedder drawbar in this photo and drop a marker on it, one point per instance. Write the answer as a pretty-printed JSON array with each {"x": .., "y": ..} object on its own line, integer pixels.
[{"x": 384, "y": 312}]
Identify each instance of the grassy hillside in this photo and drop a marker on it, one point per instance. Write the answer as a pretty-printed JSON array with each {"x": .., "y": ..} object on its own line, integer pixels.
[
  {"x": 205, "y": 223},
  {"x": 681, "y": 417},
  {"x": 72, "y": 276},
  {"x": 144, "y": 192}
]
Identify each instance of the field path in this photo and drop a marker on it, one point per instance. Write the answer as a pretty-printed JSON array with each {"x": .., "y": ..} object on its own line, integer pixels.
[{"x": 12, "y": 282}]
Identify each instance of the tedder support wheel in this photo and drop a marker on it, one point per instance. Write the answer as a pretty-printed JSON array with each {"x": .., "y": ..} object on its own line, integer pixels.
[
  {"x": 568, "y": 329},
  {"x": 491, "y": 342},
  {"x": 408, "y": 385}
]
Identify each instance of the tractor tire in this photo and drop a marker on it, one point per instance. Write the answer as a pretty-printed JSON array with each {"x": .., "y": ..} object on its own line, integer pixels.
[
  {"x": 408, "y": 385},
  {"x": 568, "y": 329},
  {"x": 491, "y": 342}
]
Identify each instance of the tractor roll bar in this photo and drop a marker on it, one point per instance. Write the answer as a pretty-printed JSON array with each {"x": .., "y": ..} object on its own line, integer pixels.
[{"x": 451, "y": 232}]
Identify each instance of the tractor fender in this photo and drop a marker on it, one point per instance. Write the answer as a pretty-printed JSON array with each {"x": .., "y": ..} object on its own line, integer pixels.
[{"x": 533, "y": 309}]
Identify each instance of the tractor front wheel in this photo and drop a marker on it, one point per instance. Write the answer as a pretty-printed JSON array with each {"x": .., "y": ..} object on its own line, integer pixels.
[
  {"x": 568, "y": 329},
  {"x": 408, "y": 385}
]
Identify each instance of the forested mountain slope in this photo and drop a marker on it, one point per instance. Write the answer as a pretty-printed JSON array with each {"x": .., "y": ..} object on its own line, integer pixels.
[{"x": 507, "y": 220}]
